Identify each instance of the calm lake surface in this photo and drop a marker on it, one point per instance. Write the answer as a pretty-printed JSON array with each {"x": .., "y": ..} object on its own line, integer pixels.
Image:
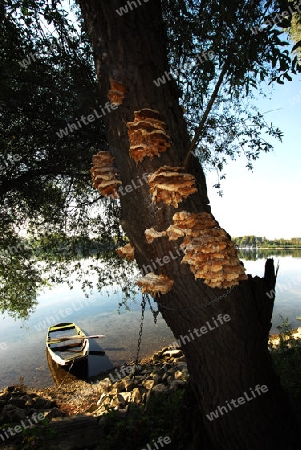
[{"x": 25, "y": 354}]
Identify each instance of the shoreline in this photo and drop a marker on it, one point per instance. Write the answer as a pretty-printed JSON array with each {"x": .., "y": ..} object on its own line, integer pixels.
[
  {"x": 75, "y": 412},
  {"x": 66, "y": 408}
]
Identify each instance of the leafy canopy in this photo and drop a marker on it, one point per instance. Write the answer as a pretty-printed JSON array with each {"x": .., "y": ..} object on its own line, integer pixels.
[
  {"x": 49, "y": 83},
  {"x": 211, "y": 42}
]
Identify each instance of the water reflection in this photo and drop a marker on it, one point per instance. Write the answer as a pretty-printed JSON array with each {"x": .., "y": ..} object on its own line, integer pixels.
[
  {"x": 288, "y": 287},
  {"x": 253, "y": 254},
  {"x": 24, "y": 353}
]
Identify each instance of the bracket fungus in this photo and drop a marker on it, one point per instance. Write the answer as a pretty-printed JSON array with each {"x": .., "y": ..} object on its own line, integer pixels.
[
  {"x": 147, "y": 135},
  {"x": 117, "y": 92},
  {"x": 171, "y": 185},
  {"x": 208, "y": 250},
  {"x": 127, "y": 251},
  {"x": 104, "y": 174},
  {"x": 155, "y": 284},
  {"x": 151, "y": 234}
]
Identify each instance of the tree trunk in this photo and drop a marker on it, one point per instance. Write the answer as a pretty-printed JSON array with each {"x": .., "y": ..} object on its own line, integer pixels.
[{"x": 231, "y": 359}]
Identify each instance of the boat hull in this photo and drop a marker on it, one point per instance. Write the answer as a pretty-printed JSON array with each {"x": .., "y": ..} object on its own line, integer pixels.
[{"x": 65, "y": 351}]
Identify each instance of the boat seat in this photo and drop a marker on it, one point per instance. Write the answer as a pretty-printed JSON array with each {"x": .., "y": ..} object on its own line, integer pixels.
[{"x": 67, "y": 347}]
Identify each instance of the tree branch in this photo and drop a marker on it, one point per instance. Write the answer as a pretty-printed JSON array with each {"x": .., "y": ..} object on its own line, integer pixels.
[{"x": 207, "y": 111}]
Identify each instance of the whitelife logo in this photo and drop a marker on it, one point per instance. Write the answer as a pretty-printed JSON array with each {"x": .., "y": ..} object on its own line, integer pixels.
[
  {"x": 161, "y": 440},
  {"x": 198, "y": 332},
  {"x": 165, "y": 260},
  {"x": 284, "y": 287},
  {"x": 167, "y": 76},
  {"x": 240, "y": 400},
  {"x": 124, "y": 371},
  {"x": 19, "y": 428},
  {"x": 125, "y": 9},
  {"x": 277, "y": 18},
  {"x": 85, "y": 120},
  {"x": 3, "y": 346},
  {"x": 295, "y": 100},
  {"x": 62, "y": 314}
]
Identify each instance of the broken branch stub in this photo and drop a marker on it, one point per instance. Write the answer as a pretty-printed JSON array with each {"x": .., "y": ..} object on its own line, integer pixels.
[
  {"x": 104, "y": 174},
  {"x": 147, "y": 135},
  {"x": 171, "y": 185},
  {"x": 208, "y": 250},
  {"x": 127, "y": 251},
  {"x": 154, "y": 285},
  {"x": 117, "y": 92}
]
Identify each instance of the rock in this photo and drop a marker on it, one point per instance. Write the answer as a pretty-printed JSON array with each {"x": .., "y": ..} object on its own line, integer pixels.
[
  {"x": 165, "y": 377},
  {"x": 92, "y": 408},
  {"x": 164, "y": 349},
  {"x": 136, "y": 380},
  {"x": 120, "y": 386},
  {"x": 135, "y": 370},
  {"x": 116, "y": 403},
  {"x": 5, "y": 397},
  {"x": 40, "y": 402},
  {"x": 12, "y": 413},
  {"x": 178, "y": 375},
  {"x": 99, "y": 412},
  {"x": 182, "y": 366},
  {"x": 159, "y": 389},
  {"x": 176, "y": 384},
  {"x": 8, "y": 389},
  {"x": 124, "y": 397},
  {"x": 105, "y": 385},
  {"x": 148, "y": 384},
  {"x": 136, "y": 396},
  {"x": 173, "y": 353},
  {"x": 18, "y": 401},
  {"x": 128, "y": 385},
  {"x": 103, "y": 408},
  {"x": 29, "y": 402},
  {"x": 166, "y": 367},
  {"x": 170, "y": 379},
  {"x": 102, "y": 397},
  {"x": 156, "y": 378},
  {"x": 55, "y": 412}
]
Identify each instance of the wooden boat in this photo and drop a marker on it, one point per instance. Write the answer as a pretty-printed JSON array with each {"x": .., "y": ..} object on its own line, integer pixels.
[
  {"x": 68, "y": 373},
  {"x": 66, "y": 343}
]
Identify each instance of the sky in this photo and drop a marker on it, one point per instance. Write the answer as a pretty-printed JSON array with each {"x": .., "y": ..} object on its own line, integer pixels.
[{"x": 266, "y": 202}]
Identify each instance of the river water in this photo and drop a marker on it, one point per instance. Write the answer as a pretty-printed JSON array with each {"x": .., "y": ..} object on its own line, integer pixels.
[{"x": 22, "y": 345}]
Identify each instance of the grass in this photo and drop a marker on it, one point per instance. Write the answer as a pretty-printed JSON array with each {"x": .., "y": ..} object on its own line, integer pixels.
[
  {"x": 287, "y": 360},
  {"x": 32, "y": 437}
]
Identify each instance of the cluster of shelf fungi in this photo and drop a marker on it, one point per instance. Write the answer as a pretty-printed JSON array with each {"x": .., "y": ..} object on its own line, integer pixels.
[{"x": 207, "y": 248}]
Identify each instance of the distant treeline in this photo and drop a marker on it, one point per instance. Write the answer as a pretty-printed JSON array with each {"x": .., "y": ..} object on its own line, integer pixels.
[
  {"x": 59, "y": 247},
  {"x": 263, "y": 242}
]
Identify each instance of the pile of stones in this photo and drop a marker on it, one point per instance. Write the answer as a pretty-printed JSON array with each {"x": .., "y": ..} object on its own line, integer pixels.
[{"x": 165, "y": 373}]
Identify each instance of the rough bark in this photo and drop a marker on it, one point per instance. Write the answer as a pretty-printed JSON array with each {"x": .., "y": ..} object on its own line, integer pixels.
[{"x": 233, "y": 358}]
